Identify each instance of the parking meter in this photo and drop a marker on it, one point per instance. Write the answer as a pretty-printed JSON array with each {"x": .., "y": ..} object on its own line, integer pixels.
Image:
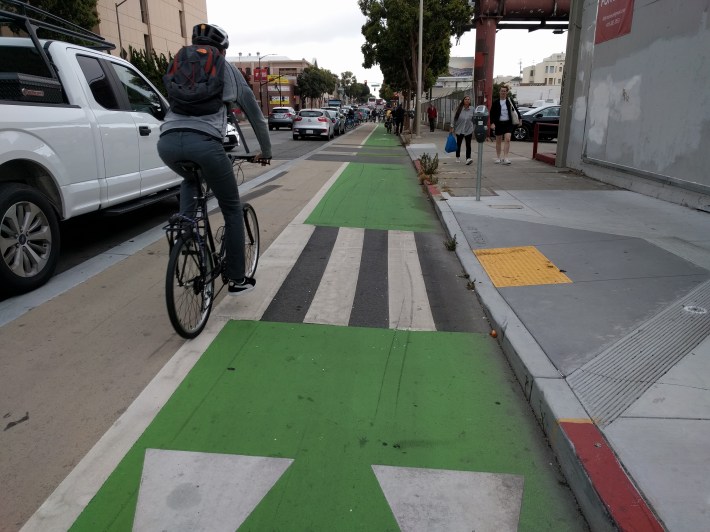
[
  {"x": 480, "y": 128},
  {"x": 480, "y": 122}
]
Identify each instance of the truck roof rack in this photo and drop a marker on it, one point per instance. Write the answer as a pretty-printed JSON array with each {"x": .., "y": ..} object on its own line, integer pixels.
[{"x": 31, "y": 19}]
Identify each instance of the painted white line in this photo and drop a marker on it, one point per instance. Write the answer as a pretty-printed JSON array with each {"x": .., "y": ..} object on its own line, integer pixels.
[
  {"x": 334, "y": 298},
  {"x": 408, "y": 302},
  {"x": 438, "y": 499},
  {"x": 208, "y": 492}
]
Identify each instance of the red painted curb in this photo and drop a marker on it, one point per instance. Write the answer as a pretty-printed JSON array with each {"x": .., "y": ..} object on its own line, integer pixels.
[{"x": 625, "y": 504}]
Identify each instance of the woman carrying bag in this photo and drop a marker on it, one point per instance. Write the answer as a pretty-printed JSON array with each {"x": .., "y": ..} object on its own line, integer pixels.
[
  {"x": 463, "y": 128},
  {"x": 503, "y": 115}
]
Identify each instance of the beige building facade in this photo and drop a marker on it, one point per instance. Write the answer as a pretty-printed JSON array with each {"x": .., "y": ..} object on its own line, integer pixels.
[
  {"x": 548, "y": 72},
  {"x": 162, "y": 26}
]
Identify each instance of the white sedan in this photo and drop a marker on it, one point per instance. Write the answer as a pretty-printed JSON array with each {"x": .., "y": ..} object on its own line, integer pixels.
[{"x": 313, "y": 123}]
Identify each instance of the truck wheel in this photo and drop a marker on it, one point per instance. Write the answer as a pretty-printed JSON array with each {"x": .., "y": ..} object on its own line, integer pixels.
[{"x": 29, "y": 239}]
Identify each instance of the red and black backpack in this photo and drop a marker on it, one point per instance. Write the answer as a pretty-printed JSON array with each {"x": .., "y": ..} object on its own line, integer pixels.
[{"x": 195, "y": 80}]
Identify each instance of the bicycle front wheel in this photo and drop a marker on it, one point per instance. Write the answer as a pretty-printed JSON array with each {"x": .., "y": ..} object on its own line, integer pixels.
[
  {"x": 251, "y": 240},
  {"x": 189, "y": 288}
]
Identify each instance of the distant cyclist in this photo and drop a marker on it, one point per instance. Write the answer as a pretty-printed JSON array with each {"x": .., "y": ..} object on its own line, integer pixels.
[{"x": 198, "y": 138}]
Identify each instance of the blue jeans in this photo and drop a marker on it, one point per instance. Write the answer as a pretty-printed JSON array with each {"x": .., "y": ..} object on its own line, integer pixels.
[{"x": 207, "y": 151}]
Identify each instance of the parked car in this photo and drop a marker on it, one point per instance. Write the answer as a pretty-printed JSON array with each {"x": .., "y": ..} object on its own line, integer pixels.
[
  {"x": 338, "y": 117},
  {"x": 281, "y": 117},
  {"x": 231, "y": 139},
  {"x": 313, "y": 123},
  {"x": 545, "y": 116}
]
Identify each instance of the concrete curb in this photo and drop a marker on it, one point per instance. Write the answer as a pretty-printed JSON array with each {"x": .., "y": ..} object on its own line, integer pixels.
[{"x": 558, "y": 410}]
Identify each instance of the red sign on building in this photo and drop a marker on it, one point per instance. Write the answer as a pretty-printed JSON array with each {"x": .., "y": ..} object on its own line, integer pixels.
[
  {"x": 260, "y": 74},
  {"x": 613, "y": 19}
]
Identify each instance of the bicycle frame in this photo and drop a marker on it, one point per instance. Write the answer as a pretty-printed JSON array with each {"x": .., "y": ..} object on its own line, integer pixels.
[{"x": 200, "y": 227}]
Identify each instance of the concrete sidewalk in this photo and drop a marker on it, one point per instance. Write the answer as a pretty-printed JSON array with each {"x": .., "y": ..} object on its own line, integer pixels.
[{"x": 600, "y": 297}]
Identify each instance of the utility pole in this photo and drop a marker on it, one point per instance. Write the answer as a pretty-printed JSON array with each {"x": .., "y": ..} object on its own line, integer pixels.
[
  {"x": 419, "y": 69},
  {"x": 118, "y": 24},
  {"x": 261, "y": 83}
]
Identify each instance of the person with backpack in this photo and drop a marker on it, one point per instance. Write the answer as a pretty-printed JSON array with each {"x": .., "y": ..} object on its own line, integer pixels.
[{"x": 200, "y": 84}]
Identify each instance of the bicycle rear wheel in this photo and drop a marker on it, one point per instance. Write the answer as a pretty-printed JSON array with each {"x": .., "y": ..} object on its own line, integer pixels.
[
  {"x": 189, "y": 292},
  {"x": 251, "y": 240}
]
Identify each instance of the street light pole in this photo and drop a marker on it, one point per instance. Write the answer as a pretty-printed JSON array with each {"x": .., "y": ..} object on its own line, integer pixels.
[
  {"x": 419, "y": 70},
  {"x": 261, "y": 83},
  {"x": 118, "y": 24}
]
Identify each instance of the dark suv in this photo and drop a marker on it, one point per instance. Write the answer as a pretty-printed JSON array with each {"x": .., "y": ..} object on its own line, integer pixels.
[
  {"x": 547, "y": 116},
  {"x": 281, "y": 117}
]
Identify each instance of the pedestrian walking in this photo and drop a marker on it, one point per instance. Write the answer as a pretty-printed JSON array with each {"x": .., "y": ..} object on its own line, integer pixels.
[
  {"x": 432, "y": 114},
  {"x": 398, "y": 119},
  {"x": 502, "y": 124},
  {"x": 463, "y": 128}
]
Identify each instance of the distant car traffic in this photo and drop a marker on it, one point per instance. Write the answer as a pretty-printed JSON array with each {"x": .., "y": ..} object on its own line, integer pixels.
[
  {"x": 545, "y": 116},
  {"x": 339, "y": 119},
  {"x": 313, "y": 123},
  {"x": 281, "y": 117},
  {"x": 364, "y": 113}
]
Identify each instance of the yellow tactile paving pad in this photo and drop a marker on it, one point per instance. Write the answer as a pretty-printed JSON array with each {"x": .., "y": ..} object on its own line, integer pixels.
[{"x": 522, "y": 266}]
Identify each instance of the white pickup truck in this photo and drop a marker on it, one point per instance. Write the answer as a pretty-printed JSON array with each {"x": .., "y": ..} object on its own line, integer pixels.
[{"x": 78, "y": 133}]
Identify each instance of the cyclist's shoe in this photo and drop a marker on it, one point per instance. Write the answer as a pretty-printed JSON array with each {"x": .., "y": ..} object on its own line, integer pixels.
[{"x": 242, "y": 286}]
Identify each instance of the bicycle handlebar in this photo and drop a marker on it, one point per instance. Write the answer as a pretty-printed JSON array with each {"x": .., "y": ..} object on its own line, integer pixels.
[{"x": 248, "y": 158}]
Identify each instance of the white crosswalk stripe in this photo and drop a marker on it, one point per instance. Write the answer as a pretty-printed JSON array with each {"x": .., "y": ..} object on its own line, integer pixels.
[
  {"x": 408, "y": 302},
  {"x": 334, "y": 299}
]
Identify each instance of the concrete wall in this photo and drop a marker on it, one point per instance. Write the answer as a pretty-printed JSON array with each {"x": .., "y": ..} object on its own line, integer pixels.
[{"x": 638, "y": 106}]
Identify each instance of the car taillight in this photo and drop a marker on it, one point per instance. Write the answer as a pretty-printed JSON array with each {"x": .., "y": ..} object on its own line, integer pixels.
[
  {"x": 288, "y": 115},
  {"x": 298, "y": 118},
  {"x": 322, "y": 119}
]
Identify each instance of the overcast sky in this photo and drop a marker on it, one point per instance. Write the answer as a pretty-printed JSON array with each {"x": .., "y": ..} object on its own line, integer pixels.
[{"x": 329, "y": 31}]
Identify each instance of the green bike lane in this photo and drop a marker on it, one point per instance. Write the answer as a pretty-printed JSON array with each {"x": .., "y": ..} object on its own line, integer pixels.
[{"x": 300, "y": 426}]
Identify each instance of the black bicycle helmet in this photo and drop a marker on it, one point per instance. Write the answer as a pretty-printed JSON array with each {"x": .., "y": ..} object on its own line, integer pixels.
[{"x": 210, "y": 34}]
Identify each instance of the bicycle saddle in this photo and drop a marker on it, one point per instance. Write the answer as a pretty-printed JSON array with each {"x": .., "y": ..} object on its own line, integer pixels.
[{"x": 189, "y": 166}]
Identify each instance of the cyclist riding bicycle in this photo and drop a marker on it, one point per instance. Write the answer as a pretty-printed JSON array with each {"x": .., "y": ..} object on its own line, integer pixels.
[{"x": 199, "y": 139}]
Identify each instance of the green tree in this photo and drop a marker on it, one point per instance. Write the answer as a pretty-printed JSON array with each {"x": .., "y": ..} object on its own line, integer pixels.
[
  {"x": 151, "y": 65},
  {"x": 346, "y": 79},
  {"x": 386, "y": 92},
  {"x": 81, "y": 12},
  {"x": 359, "y": 91},
  {"x": 313, "y": 82},
  {"x": 392, "y": 38}
]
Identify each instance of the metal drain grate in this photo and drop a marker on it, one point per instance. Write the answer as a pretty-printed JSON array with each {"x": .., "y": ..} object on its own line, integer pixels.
[{"x": 619, "y": 375}]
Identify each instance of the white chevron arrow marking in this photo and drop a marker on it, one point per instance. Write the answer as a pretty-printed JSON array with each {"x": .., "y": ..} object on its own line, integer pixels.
[
  {"x": 437, "y": 499},
  {"x": 185, "y": 491}
]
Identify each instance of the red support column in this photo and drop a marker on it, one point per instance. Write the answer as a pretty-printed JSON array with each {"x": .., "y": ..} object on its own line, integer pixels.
[{"x": 483, "y": 63}]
